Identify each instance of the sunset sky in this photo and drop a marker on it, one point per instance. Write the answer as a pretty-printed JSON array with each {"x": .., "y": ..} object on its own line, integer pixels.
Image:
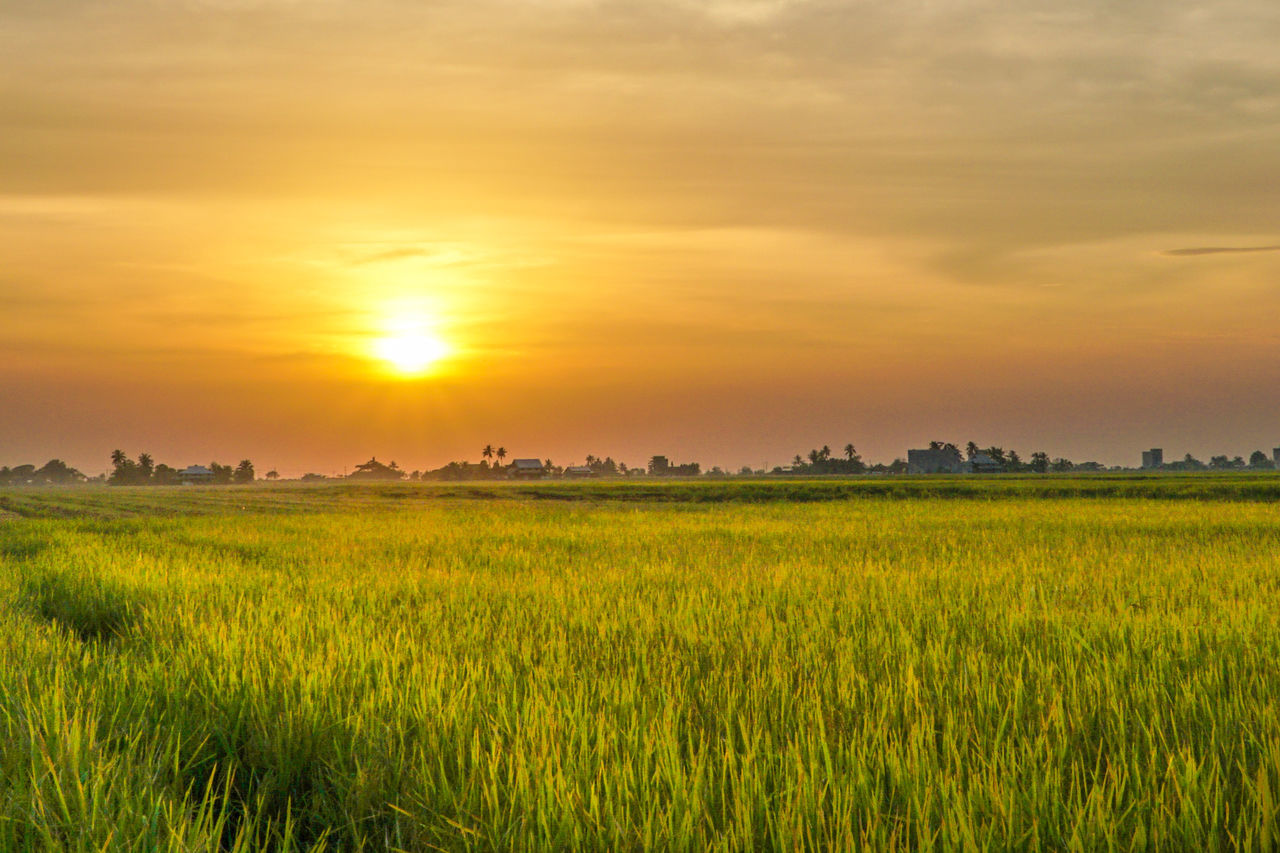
[{"x": 726, "y": 231}]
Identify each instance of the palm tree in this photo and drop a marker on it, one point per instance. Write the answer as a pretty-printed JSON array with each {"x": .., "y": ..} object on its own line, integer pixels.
[
  {"x": 971, "y": 449},
  {"x": 797, "y": 461},
  {"x": 850, "y": 451},
  {"x": 118, "y": 458},
  {"x": 487, "y": 453},
  {"x": 825, "y": 453},
  {"x": 502, "y": 454}
]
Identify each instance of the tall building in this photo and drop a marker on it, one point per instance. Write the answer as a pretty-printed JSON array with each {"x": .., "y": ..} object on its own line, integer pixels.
[
  {"x": 1275, "y": 457},
  {"x": 942, "y": 460},
  {"x": 1154, "y": 458}
]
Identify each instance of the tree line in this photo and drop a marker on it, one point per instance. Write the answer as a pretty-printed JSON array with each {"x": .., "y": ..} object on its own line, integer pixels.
[
  {"x": 55, "y": 472},
  {"x": 145, "y": 471},
  {"x": 1258, "y": 461}
]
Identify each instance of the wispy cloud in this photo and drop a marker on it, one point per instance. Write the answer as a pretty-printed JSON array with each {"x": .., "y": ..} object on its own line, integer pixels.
[{"x": 1218, "y": 250}]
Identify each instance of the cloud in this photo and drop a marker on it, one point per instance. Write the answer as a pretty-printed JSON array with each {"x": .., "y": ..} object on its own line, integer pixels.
[{"x": 1218, "y": 250}]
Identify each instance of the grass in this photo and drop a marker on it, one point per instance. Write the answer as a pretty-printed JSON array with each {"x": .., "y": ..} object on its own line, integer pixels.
[{"x": 1081, "y": 663}]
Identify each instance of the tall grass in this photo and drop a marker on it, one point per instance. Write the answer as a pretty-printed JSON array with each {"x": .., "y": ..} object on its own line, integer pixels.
[{"x": 507, "y": 674}]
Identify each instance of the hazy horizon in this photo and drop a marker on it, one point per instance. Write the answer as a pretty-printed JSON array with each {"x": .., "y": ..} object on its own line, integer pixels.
[{"x": 725, "y": 231}]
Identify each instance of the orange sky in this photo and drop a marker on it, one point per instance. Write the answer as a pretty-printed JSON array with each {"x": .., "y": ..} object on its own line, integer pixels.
[{"x": 726, "y": 231}]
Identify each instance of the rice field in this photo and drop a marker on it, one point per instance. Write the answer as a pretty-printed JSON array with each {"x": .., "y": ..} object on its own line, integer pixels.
[{"x": 1057, "y": 663}]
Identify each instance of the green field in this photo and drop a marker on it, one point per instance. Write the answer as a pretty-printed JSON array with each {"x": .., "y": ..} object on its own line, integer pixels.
[{"x": 1064, "y": 663}]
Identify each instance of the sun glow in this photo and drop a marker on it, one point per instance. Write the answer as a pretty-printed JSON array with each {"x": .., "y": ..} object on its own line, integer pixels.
[{"x": 411, "y": 353}]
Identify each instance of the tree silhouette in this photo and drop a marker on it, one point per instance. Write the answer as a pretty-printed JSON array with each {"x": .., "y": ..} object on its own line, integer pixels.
[
  {"x": 850, "y": 451},
  {"x": 487, "y": 453},
  {"x": 502, "y": 454}
]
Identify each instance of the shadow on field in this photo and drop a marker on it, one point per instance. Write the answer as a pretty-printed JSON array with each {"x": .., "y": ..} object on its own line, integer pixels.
[
  {"x": 93, "y": 609},
  {"x": 22, "y": 548}
]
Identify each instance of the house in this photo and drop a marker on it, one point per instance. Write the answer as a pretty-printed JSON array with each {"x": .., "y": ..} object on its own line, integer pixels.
[
  {"x": 195, "y": 474},
  {"x": 940, "y": 460},
  {"x": 660, "y": 466},
  {"x": 375, "y": 470},
  {"x": 578, "y": 472},
  {"x": 981, "y": 463},
  {"x": 526, "y": 469}
]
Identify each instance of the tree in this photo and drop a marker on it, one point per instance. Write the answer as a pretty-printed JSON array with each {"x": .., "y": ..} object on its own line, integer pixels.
[
  {"x": 273, "y": 474},
  {"x": 487, "y": 453},
  {"x": 850, "y": 451},
  {"x": 797, "y": 461},
  {"x": 971, "y": 449},
  {"x": 502, "y": 454},
  {"x": 825, "y": 453},
  {"x": 163, "y": 475},
  {"x": 1062, "y": 465},
  {"x": 1013, "y": 462},
  {"x": 1259, "y": 461},
  {"x": 55, "y": 472},
  {"x": 222, "y": 474},
  {"x": 1039, "y": 462},
  {"x": 244, "y": 472},
  {"x": 815, "y": 456},
  {"x": 1219, "y": 463},
  {"x": 124, "y": 470},
  {"x": 146, "y": 466}
]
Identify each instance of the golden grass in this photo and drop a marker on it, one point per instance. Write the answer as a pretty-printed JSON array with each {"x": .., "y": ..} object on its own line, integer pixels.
[{"x": 503, "y": 674}]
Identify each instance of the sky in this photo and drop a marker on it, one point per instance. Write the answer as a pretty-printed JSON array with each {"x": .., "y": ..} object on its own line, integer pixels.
[{"x": 725, "y": 231}]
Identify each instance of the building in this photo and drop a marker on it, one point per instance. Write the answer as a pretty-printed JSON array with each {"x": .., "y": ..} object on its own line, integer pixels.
[
  {"x": 527, "y": 469},
  {"x": 375, "y": 470},
  {"x": 578, "y": 472},
  {"x": 942, "y": 460},
  {"x": 1153, "y": 458},
  {"x": 1275, "y": 457},
  {"x": 981, "y": 463},
  {"x": 194, "y": 475}
]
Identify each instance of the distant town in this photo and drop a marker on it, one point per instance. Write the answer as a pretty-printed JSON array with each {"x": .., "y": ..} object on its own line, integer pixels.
[{"x": 938, "y": 458}]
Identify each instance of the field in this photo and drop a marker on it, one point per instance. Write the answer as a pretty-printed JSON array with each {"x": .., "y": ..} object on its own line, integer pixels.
[{"x": 1065, "y": 663}]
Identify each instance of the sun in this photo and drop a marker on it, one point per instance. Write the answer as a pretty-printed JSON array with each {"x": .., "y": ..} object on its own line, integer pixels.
[{"x": 411, "y": 353}]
